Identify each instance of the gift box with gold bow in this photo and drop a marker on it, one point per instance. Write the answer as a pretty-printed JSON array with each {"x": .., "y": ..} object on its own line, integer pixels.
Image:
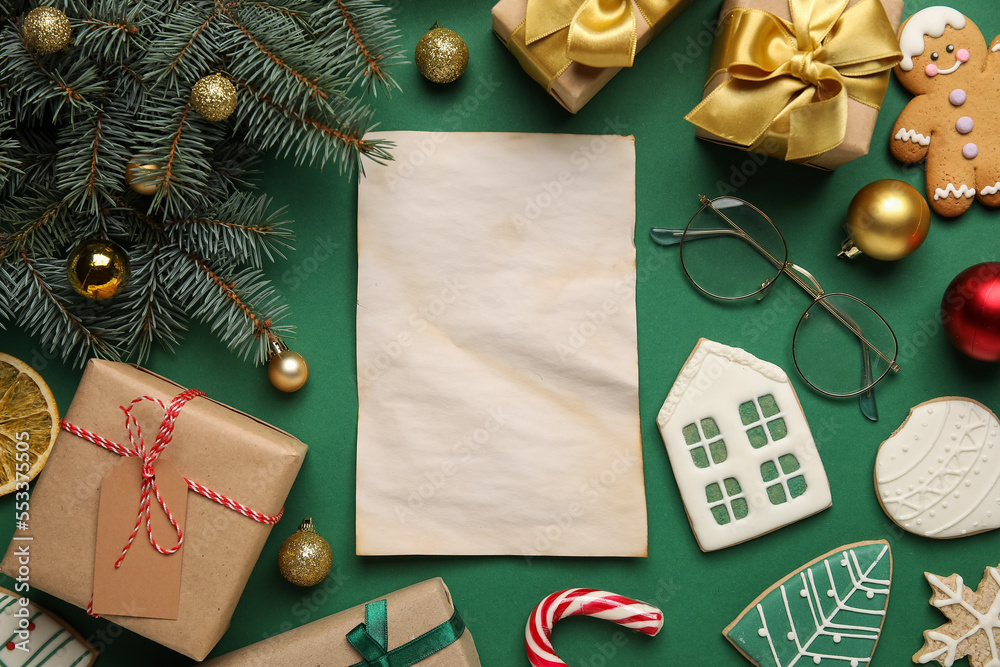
[
  {"x": 574, "y": 47},
  {"x": 235, "y": 473},
  {"x": 415, "y": 626},
  {"x": 800, "y": 80}
]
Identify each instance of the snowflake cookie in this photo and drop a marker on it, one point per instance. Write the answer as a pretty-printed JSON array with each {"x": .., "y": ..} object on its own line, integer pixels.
[
  {"x": 740, "y": 447},
  {"x": 973, "y": 617},
  {"x": 954, "y": 120},
  {"x": 828, "y": 612}
]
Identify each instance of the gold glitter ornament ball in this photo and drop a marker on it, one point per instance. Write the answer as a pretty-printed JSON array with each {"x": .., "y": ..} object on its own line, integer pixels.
[
  {"x": 304, "y": 557},
  {"x": 97, "y": 269},
  {"x": 47, "y": 30},
  {"x": 441, "y": 55},
  {"x": 214, "y": 97}
]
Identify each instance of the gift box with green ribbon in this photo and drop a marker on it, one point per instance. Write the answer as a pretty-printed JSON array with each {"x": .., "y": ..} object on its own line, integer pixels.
[
  {"x": 417, "y": 625},
  {"x": 800, "y": 80},
  {"x": 574, "y": 47}
]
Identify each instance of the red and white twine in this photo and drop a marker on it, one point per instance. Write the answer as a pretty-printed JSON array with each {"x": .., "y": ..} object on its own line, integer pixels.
[
  {"x": 619, "y": 609},
  {"x": 137, "y": 448}
]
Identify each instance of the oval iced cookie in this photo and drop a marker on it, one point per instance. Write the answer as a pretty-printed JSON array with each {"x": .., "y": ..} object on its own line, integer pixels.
[
  {"x": 938, "y": 475},
  {"x": 37, "y": 637}
]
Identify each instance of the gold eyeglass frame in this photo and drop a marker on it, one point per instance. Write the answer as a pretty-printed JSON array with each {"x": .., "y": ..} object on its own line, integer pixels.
[{"x": 801, "y": 277}]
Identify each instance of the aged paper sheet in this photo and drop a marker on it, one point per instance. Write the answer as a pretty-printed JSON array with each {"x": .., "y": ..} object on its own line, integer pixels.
[{"x": 496, "y": 343}]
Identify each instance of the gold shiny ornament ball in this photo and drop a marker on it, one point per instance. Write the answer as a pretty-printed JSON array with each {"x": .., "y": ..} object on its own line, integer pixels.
[
  {"x": 136, "y": 171},
  {"x": 214, "y": 97},
  {"x": 98, "y": 269},
  {"x": 887, "y": 220},
  {"x": 304, "y": 557},
  {"x": 47, "y": 30},
  {"x": 287, "y": 370},
  {"x": 441, "y": 55}
]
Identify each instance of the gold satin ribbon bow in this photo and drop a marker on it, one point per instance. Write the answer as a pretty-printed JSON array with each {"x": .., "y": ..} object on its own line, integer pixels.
[
  {"x": 598, "y": 33},
  {"x": 789, "y": 83}
]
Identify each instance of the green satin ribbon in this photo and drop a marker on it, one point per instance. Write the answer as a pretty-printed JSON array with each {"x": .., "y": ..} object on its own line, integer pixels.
[
  {"x": 371, "y": 639},
  {"x": 789, "y": 82},
  {"x": 597, "y": 33}
]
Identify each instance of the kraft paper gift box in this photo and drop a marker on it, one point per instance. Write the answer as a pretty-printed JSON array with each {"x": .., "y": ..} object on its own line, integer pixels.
[
  {"x": 223, "y": 449},
  {"x": 880, "y": 52},
  {"x": 572, "y": 83},
  {"x": 410, "y": 613}
]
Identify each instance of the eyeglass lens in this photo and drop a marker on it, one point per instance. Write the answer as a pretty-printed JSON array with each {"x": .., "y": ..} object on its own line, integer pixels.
[
  {"x": 828, "y": 350},
  {"x": 730, "y": 250}
]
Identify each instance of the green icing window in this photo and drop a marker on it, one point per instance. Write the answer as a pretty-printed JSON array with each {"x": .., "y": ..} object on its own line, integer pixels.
[
  {"x": 764, "y": 421},
  {"x": 705, "y": 443},
  {"x": 782, "y": 482},
  {"x": 726, "y": 501}
]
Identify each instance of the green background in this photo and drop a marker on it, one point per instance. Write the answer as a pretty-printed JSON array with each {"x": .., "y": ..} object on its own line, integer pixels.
[{"x": 699, "y": 593}]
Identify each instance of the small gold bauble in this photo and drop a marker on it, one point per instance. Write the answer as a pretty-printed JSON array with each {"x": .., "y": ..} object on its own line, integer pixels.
[
  {"x": 97, "y": 269},
  {"x": 136, "y": 174},
  {"x": 887, "y": 220},
  {"x": 441, "y": 55},
  {"x": 214, "y": 97},
  {"x": 47, "y": 30},
  {"x": 305, "y": 558},
  {"x": 287, "y": 370}
]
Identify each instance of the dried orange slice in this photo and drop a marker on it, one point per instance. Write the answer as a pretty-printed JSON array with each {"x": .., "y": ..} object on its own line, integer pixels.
[{"x": 29, "y": 422}]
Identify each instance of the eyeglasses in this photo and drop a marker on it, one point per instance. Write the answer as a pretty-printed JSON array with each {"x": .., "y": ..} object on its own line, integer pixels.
[{"x": 730, "y": 250}]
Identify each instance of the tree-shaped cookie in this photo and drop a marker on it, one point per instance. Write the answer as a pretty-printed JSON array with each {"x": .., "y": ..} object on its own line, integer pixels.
[
  {"x": 954, "y": 120},
  {"x": 972, "y": 617},
  {"x": 828, "y": 612}
]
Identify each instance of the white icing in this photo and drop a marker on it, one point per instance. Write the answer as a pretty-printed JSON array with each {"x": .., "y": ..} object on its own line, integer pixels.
[
  {"x": 995, "y": 48},
  {"x": 986, "y": 620},
  {"x": 824, "y": 617},
  {"x": 703, "y": 350},
  {"x": 931, "y": 22},
  {"x": 49, "y": 643},
  {"x": 914, "y": 136},
  {"x": 991, "y": 189},
  {"x": 958, "y": 63},
  {"x": 934, "y": 484},
  {"x": 713, "y": 383},
  {"x": 950, "y": 189}
]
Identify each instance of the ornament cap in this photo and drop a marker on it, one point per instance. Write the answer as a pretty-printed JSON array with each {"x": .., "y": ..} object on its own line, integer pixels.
[
  {"x": 849, "y": 250},
  {"x": 307, "y": 525}
]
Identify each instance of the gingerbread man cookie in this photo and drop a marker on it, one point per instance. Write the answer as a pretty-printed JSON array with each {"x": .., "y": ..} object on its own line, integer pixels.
[{"x": 954, "y": 120}]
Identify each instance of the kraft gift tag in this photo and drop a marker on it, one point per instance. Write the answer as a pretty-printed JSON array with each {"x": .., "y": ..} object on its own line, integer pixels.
[{"x": 148, "y": 583}]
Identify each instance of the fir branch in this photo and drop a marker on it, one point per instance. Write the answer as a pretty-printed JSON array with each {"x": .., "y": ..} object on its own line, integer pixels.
[
  {"x": 9, "y": 147},
  {"x": 181, "y": 156},
  {"x": 35, "y": 157},
  {"x": 240, "y": 326},
  {"x": 110, "y": 31},
  {"x": 146, "y": 312},
  {"x": 6, "y": 293},
  {"x": 239, "y": 228},
  {"x": 338, "y": 136},
  {"x": 184, "y": 43},
  {"x": 93, "y": 156},
  {"x": 255, "y": 60},
  {"x": 39, "y": 84},
  {"x": 374, "y": 40},
  {"x": 35, "y": 225},
  {"x": 43, "y": 309}
]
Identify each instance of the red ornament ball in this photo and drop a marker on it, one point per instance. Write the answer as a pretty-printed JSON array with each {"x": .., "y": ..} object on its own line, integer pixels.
[{"x": 970, "y": 311}]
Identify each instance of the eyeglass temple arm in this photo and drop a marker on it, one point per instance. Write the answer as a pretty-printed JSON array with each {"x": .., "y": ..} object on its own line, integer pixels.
[{"x": 669, "y": 236}]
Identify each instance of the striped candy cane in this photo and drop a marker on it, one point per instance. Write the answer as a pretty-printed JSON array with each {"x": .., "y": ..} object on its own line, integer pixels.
[{"x": 630, "y": 613}]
